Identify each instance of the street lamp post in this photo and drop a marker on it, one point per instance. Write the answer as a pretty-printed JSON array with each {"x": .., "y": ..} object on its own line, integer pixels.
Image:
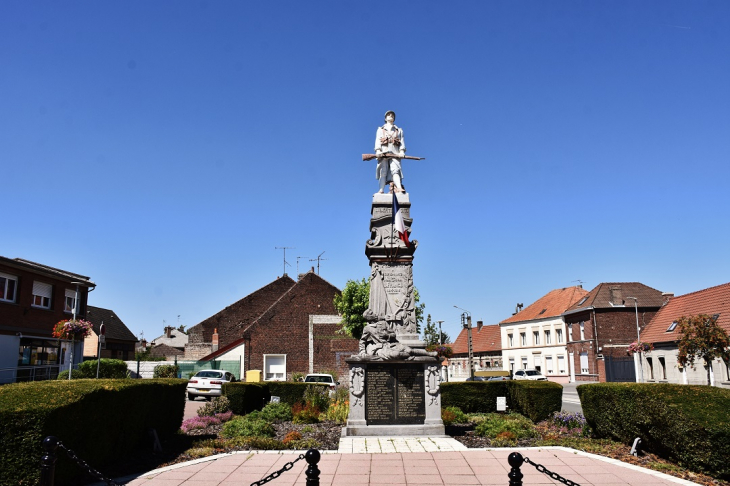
[
  {"x": 71, "y": 353},
  {"x": 441, "y": 341},
  {"x": 466, "y": 324},
  {"x": 638, "y": 338}
]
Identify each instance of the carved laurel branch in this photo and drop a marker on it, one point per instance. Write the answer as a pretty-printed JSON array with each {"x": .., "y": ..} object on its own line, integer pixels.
[{"x": 357, "y": 384}]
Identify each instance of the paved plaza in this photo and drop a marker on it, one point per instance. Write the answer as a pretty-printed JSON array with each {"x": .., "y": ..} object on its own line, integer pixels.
[{"x": 405, "y": 461}]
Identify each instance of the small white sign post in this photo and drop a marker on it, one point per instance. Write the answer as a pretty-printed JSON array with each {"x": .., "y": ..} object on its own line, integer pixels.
[{"x": 501, "y": 404}]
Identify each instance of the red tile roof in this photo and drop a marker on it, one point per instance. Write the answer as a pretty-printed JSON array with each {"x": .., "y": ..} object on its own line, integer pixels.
[
  {"x": 484, "y": 340},
  {"x": 552, "y": 304},
  {"x": 608, "y": 295},
  {"x": 715, "y": 300}
]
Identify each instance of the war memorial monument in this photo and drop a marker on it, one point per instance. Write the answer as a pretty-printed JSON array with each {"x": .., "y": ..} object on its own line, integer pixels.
[{"x": 394, "y": 381}]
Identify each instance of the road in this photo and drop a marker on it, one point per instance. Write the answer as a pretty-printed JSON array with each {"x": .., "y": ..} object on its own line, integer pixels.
[{"x": 571, "y": 402}]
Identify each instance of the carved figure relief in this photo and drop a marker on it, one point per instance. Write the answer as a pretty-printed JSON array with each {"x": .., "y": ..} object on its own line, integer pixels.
[
  {"x": 432, "y": 384},
  {"x": 357, "y": 384},
  {"x": 391, "y": 295}
]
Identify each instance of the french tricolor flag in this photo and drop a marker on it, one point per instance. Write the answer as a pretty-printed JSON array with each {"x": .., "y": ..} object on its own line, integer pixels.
[{"x": 398, "y": 223}]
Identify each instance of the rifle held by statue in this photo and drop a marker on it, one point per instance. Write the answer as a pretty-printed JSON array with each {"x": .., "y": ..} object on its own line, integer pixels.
[{"x": 389, "y": 156}]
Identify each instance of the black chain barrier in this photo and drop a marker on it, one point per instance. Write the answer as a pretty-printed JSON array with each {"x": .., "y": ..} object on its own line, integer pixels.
[
  {"x": 48, "y": 463},
  {"x": 312, "y": 456},
  {"x": 515, "y": 475}
]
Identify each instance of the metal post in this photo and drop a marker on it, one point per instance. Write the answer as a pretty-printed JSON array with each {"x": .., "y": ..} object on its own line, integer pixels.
[
  {"x": 312, "y": 457},
  {"x": 638, "y": 338},
  {"x": 441, "y": 341},
  {"x": 515, "y": 460},
  {"x": 48, "y": 461}
]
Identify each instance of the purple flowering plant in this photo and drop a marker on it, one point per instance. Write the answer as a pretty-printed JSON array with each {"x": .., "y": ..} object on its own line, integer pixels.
[{"x": 205, "y": 421}]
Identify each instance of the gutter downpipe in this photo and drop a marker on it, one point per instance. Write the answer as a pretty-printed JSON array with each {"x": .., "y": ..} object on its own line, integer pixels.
[{"x": 595, "y": 331}]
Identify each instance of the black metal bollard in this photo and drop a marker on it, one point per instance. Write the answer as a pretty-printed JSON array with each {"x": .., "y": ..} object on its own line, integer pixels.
[
  {"x": 312, "y": 457},
  {"x": 48, "y": 461},
  {"x": 515, "y": 460}
]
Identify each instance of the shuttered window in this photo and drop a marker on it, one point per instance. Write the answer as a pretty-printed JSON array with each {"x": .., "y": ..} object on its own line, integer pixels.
[
  {"x": 70, "y": 300},
  {"x": 42, "y": 295},
  {"x": 275, "y": 367},
  {"x": 584, "y": 362}
]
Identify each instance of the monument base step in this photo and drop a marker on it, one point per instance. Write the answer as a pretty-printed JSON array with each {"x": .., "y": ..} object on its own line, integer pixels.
[{"x": 402, "y": 430}]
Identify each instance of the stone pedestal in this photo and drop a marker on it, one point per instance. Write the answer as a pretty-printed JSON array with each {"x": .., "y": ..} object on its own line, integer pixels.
[
  {"x": 391, "y": 268},
  {"x": 394, "y": 398}
]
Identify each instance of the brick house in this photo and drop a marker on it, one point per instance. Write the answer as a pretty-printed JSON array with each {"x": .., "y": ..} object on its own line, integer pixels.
[
  {"x": 486, "y": 348},
  {"x": 33, "y": 298},
  {"x": 602, "y": 325},
  {"x": 282, "y": 328},
  {"x": 534, "y": 338},
  {"x": 120, "y": 341},
  {"x": 660, "y": 365}
]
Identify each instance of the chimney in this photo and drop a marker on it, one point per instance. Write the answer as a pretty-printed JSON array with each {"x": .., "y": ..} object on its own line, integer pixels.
[
  {"x": 480, "y": 324},
  {"x": 215, "y": 339},
  {"x": 168, "y": 331},
  {"x": 667, "y": 296},
  {"x": 143, "y": 343}
]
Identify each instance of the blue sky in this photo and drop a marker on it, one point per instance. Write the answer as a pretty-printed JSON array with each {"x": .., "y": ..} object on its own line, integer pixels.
[{"x": 166, "y": 148}]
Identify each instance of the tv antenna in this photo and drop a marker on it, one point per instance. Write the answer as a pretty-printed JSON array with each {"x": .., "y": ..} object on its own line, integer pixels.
[
  {"x": 319, "y": 257},
  {"x": 298, "y": 258},
  {"x": 285, "y": 262}
]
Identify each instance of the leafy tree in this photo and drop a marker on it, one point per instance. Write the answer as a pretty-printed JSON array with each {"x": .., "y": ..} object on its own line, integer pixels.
[
  {"x": 431, "y": 333},
  {"x": 701, "y": 338},
  {"x": 355, "y": 299},
  {"x": 350, "y": 304}
]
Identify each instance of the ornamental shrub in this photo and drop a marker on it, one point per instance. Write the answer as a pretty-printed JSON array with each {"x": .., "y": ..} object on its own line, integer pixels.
[
  {"x": 305, "y": 414},
  {"x": 166, "y": 371},
  {"x": 453, "y": 415},
  {"x": 108, "y": 368},
  {"x": 317, "y": 396},
  {"x": 276, "y": 412},
  {"x": 101, "y": 420},
  {"x": 246, "y": 397},
  {"x": 474, "y": 396},
  {"x": 217, "y": 405},
  {"x": 536, "y": 400},
  {"x": 687, "y": 424},
  {"x": 75, "y": 375},
  {"x": 247, "y": 427},
  {"x": 509, "y": 426}
]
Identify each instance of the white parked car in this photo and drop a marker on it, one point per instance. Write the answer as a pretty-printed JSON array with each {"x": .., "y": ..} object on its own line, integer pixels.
[
  {"x": 208, "y": 383},
  {"x": 529, "y": 375},
  {"x": 329, "y": 380}
]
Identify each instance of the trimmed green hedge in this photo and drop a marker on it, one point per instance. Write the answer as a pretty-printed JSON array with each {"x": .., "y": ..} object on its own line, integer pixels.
[
  {"x": 108, "y": 368},
  {"x": 246, "y": 397},
  {"x": 98, "y": 419},
  {"x": 536, "y": 400},
  {"x": 533, "y": 399},
  {"x": 474, "y": 396},
  {"x": 687, "y": 424}
]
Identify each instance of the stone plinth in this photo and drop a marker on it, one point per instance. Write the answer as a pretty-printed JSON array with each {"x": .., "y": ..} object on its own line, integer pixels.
[{"x": 394, "y": 398}]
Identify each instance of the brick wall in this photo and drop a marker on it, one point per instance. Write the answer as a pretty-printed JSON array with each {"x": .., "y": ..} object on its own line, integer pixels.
[{"x": 21, "y": 316}]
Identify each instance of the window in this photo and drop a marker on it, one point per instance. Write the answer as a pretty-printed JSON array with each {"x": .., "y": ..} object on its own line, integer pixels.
[
  {"x": 584, "y": 362},
  {"x": 548, "y": 339},
  {"x": 672, "y": 326},
  {"x": 549, "y": 365},
  {"x": 523, "y": 339},
  {"x": 42, "y": 295},
  {"x": 650, "y": 367},
  {"x": 561, "y": 365},
  {"x": 70, "y": 301},
  {"x": 510, "y": 341},
  {"x": 536, "y": 337},
  {"x": 582, "y": 331},
  {"x": 570, "y": 332},
  {"x": 559, "y": 335},
  {"x": 662, "y": 368},
  {"x": 8, "y": 284},
  {"x": 275, "y": 367},
  {"x": 511, "y": 364},
  {"x": 524, "y": 363},
  {"x": 38, "y": 352},
  {"x": 538, "y": 362}
]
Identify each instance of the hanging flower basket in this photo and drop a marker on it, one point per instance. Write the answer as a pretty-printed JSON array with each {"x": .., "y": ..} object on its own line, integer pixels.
[
  {"x": 442, "y": 351},
  {"x": 639, "y": 348},
  {"x": 75, "y": 330}
]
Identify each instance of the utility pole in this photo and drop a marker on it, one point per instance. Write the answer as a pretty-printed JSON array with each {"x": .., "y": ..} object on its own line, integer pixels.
[
  {"x": 441, "y": 341},
  {"x": 466, "y": 324}
]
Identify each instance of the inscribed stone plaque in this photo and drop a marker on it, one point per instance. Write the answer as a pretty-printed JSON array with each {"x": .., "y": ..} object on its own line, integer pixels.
[{"x": 395, "y": 395}]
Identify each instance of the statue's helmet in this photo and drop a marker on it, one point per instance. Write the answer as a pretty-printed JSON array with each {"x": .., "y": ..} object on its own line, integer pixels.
[{"x": 388, "y": 112}]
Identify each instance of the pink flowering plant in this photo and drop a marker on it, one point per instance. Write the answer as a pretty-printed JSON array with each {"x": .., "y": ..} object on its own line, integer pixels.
[
  {"x": 77, "y": 329},
  {"x": 205, "y": 421},
  {"x": 639, "y": 347}
]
